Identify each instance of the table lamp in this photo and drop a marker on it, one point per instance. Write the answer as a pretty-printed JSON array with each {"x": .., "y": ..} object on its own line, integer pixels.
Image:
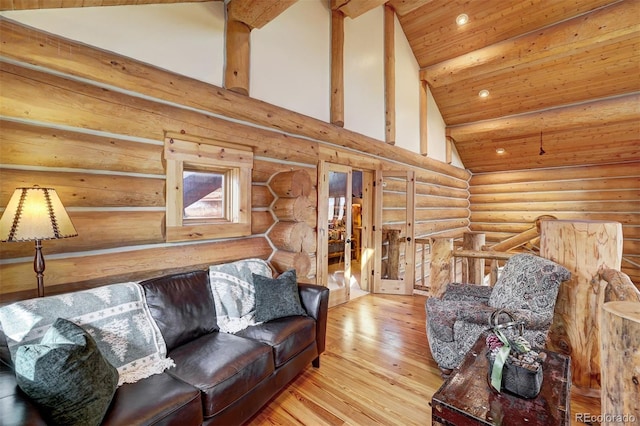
[{"x": 35, "y": 214}]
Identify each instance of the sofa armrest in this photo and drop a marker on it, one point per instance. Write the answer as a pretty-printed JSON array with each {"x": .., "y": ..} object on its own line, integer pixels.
[
  {"x": 481, "y": 315},
  {"x": 315, "y": 300},
  {"x": 467, "y": 292}
]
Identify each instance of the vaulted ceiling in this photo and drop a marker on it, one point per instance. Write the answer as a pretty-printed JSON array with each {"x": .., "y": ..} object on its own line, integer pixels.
[
  {"x": 563, "y": 75},
  {"x": 564, "y": 72}
]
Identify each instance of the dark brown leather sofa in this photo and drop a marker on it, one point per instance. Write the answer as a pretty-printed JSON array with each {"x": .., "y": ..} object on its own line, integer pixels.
[{"x": 219, "y": 378}]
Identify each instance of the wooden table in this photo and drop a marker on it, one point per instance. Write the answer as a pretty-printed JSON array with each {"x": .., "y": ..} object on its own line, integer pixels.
[{"x": 467, "y": 398}]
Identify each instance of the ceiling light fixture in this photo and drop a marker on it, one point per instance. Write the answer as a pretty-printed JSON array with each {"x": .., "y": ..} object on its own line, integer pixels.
[
  {"x": 500, "y": 151},
  {"x": 462, "y": 19},
  {"x": 484, "y": 93}
]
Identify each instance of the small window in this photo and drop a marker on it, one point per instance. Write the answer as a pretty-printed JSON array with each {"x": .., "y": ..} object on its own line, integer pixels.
[
  {"x": 203, "y": 195},
  {"x": 208, "y": 189}
]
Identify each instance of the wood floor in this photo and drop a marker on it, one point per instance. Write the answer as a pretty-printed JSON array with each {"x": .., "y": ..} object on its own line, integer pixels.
[{"x": 377, "y": 370}]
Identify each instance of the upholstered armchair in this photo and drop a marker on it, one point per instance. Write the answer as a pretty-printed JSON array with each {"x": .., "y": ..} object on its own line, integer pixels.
[{"x": 527, "y": 288}]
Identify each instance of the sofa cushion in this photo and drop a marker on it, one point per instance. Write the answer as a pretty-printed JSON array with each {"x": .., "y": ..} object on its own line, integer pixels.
[
  {"x": 223, "y": 366},
  {"x": 234, "y": 293},
  {"x": 157, "y": 400},
  {"x": 115, "y": 315},
  {"x": 277, "y": 298},
  {"x": 182, "y": 306},
  {"x": 66, "y": 375},
  {"x": 287, "y": 336}
]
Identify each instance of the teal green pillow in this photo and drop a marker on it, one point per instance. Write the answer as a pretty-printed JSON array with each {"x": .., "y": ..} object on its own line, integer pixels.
[
  {"x": 277, "y": 298},
  {"x": 67, "y": 376}
]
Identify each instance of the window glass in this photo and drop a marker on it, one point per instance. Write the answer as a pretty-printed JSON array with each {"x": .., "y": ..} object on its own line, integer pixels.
[{"x": 203, "y": 195}]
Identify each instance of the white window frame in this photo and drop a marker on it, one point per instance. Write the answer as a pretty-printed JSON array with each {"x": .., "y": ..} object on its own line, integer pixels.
[{"x": 202, "y": 154}]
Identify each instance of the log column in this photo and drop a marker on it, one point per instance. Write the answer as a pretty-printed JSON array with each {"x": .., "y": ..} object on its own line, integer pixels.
[
  {"x": 473, "y": 268},
  {"x": 620, "y": 361},
  {"x": 582, "y": 247},
  {"x": 292, "y": 236},
  {"x": 237, "y": 53},
  {"x": 440, "y": 269}
]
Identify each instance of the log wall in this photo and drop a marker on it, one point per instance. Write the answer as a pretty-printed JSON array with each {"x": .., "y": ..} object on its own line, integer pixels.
[
  {"x": 91, "y": 124},
  {"x": 506, "y": 203}
]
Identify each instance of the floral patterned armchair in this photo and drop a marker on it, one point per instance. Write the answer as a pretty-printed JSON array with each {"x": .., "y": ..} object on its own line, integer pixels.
[{"x": 527, "y": 288}]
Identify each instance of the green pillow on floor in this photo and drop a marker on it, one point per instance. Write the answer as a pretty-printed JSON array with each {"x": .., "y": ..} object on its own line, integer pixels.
[{"x": 67, "y": 376}]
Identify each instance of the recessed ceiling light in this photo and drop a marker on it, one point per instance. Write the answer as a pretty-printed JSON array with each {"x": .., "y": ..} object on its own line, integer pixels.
[
  {"x": 462, "y": 19},
  {"x": 484, "y": 93},
  {"x": 500, "y": 151}
]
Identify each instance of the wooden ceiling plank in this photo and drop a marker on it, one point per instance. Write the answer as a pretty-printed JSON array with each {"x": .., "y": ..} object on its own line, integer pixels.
[
  {"x": 609, "y": 25},
  {"x": 490, "y": 22},
  {"x": 619, "y": 109},
  {"x": 257, "y": 13},
  {"x": 402, "y": 7},
  {"x": 355, "y": 8},
  {"x": 595, "y": 72}
]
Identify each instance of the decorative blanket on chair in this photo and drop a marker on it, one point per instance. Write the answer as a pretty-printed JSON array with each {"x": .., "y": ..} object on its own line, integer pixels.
[{"x": 116, "y": 316}]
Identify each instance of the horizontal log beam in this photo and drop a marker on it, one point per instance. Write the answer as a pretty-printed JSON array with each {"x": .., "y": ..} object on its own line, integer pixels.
[
  {"x": 257, "y": 14},
  {"x": 106, "y": 268},
  {"x": 484, "y": 254}
]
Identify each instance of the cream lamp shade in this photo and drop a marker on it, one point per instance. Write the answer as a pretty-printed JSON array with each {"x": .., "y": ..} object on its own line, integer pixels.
[{"x": 35, "y": 214}]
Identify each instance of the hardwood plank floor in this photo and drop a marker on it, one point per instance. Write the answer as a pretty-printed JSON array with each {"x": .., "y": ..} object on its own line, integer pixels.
[{"x": 377, "y": 370}]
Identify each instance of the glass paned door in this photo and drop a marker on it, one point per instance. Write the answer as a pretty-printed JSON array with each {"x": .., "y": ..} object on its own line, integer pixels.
[
  {"x": 336, "y": 198},
  {"x": 394, "y": 243}
]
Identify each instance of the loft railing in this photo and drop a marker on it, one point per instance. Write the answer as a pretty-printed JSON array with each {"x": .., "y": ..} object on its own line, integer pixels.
[{"x": 439, "y": 263}]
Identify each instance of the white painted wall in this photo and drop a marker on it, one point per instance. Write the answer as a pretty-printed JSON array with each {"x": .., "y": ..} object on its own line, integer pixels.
[
  {"x": 186, "y": 38},
  {"x": 364, "y": 74},
  {"x": 407, "y": 93},
  {"x": 290, "y": 58}
]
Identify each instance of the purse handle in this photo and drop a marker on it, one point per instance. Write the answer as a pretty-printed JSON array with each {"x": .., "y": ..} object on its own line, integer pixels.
[{"x": 512, "y": 323}]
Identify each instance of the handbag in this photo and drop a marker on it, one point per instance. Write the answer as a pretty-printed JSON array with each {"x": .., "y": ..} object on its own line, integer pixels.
[{"x": 521, "y": 368}]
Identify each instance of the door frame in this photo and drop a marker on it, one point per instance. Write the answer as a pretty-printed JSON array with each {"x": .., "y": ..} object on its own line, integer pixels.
[
  {"x": 405, "y": 285},
  {"x": 367, "y": 251},
  {"x": 340, "y": 295}
]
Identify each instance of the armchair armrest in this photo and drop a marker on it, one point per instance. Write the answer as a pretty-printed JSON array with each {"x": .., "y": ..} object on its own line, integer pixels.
[
  {"x": 315, "y": 300},
  {"x": 532, "y": 320},
  {"x": 467, "y": 292}
]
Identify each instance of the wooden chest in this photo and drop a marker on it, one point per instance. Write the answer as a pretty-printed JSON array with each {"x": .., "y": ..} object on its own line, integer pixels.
[{"x": 467, "y": 398}]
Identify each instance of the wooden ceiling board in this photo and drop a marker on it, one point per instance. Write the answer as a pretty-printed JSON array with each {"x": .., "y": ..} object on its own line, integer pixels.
[
  {"x": 434, "y": 35},
  {"x": 597, "y": 133},
  {"x": 402, "y": 7},
  {"x": 523, "y": 75},
  {"x": 619, "y": 109},
  {"x": 570, "y": 69}
]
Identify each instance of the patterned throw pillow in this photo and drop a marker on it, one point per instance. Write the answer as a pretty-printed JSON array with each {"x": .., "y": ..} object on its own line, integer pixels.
[
  {"x": 277, "y": 298},
  {"x": 67, "y": 376},
  {"x": 234, "y": 293}
]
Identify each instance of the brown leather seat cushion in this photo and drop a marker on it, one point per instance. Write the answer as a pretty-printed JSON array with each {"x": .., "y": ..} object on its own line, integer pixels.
[
  {"x": 288, "y": 336},
  {"x": 158, "y": 399},
  {"x": 223, "y": 366}
]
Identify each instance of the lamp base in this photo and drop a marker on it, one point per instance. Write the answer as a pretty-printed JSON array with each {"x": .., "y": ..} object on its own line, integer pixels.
[{"x": 38, "y": 267}]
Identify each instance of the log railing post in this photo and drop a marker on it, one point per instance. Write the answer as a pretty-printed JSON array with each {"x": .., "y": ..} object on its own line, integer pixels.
[
  {"x": 441, "y": 265},
  {"x": 473, "y": 268}
]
